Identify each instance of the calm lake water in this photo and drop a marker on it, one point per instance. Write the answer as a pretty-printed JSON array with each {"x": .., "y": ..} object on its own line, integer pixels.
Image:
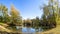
[{"x": 37, "y": 30}]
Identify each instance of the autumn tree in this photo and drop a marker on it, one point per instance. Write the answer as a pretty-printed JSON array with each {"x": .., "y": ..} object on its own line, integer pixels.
[{"x": 16, "y": 19}]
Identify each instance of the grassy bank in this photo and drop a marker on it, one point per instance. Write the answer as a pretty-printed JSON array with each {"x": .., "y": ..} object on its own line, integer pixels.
[
  {"x": 52, "y": 31},
  {"x": 4, "y": 28}
]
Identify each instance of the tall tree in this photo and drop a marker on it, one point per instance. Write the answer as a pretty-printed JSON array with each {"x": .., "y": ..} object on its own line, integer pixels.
[
  {"x": 15, "y": 16},
  {"x": 36, "y": 22},
  {"x": 50, "y": 13},
  {"x": 54, "y": 4},
  {"x": 3, "y": 12}
]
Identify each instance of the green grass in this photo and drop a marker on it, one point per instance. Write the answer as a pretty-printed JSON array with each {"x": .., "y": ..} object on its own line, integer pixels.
[
  {"x": 3, "y": 27},
  {"x": 52, "y": 31},
  {"x": 1, "y": 23}
]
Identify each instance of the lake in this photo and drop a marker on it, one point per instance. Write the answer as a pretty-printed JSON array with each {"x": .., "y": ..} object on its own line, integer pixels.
[{"x": 37, "y": 30}]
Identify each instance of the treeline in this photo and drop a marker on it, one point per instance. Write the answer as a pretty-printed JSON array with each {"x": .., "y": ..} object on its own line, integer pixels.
[
  {"x": 37, "y": 23},
  {"x": 50, "y": 17}
]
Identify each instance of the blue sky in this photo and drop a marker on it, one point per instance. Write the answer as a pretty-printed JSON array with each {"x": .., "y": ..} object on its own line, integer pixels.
[{"x": 27, "y": 8}]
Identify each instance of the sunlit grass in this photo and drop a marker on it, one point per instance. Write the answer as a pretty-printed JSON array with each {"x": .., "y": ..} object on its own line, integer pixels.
[
  {"x": 3, "y": 27},
  {"x": 52, "y": 31}
]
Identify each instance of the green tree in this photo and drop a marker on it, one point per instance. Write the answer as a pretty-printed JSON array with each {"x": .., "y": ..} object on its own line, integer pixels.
[
  {"x": 36, "y": 22},
  {"x": 54, "y": 9},
  {"x": 33, "y": 22},
  {"x": 3, "y": 12},
  {"x": 51, "y": 13}
]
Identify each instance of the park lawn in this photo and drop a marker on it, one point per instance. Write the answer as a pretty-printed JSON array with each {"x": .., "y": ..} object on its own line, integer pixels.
[
  {"x": 3, "y": 24},
  {"x": 52, "y": 31},
  {"x": 3, "y": 27}
]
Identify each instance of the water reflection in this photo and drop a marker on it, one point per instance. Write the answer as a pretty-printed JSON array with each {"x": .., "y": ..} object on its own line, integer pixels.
[
  {"x": 36, "y": 30},
  {"x": 39, "y": 29}
]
